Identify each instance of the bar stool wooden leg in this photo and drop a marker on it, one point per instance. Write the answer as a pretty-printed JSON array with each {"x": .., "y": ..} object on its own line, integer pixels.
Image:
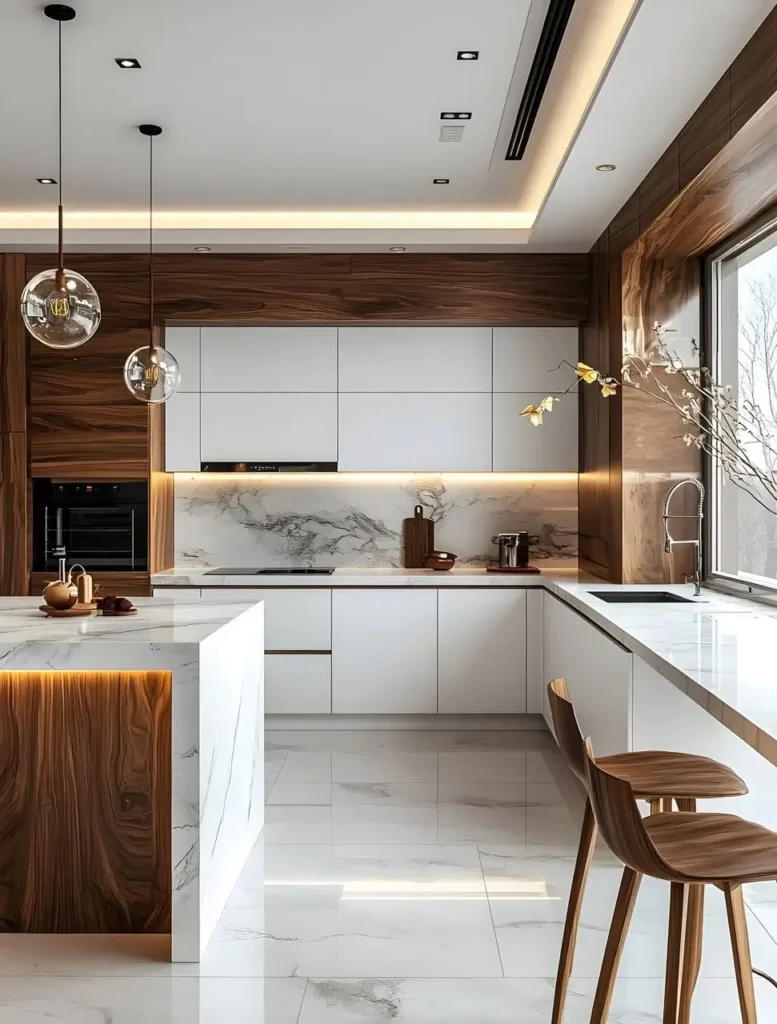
[
  {"x": 693, "y": 937},
  {"x": 678, "y": 912},
  {"x": 585, "y": 853},
  {"x": 624, "y": 907},
  {"x": 740, "y": 943}
]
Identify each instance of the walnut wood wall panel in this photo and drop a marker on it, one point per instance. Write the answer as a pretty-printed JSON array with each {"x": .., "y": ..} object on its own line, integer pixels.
[
  {"x": 14, "y": 514},
  {"x": 161, "y": 496},
  {"x": 13, "y": 345},
  {"x": 465, "y": 288},
  {"x": 718, "y": 173},
  {"x": 70, "y": 441},
  {"x": 85, "y": 805}
]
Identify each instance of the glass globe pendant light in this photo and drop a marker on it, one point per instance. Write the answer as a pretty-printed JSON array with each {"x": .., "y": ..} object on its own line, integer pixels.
[
  {"x": 59, "y": 307},
  {"x": 151, "y": 372}
]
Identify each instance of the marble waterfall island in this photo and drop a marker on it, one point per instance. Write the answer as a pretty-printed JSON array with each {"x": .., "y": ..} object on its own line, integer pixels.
[{"x": 132, "y": 760}]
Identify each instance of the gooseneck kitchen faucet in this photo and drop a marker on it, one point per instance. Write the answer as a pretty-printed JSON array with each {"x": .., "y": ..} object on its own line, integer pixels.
[{"x": 670, "y": 543}]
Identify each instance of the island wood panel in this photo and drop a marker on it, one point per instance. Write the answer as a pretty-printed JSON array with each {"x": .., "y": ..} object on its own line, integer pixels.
[
  {"x": 85, "y": 844},
  {"x": 161, "y": 496},
  {"x": 119, "y": 584},
  {"x": 72, "y": 441},
  {"x": 232, "y": 289}
]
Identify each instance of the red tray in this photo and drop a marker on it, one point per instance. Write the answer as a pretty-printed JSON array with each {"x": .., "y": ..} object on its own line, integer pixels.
[{"x": 528, "y": 570}]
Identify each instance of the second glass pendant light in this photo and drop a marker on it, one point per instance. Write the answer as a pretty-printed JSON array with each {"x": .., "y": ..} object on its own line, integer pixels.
[{"x": 151, "y": 373}]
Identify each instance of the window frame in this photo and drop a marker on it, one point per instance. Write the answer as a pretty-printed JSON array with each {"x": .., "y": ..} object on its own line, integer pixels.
[{"x": 754, "y": 232}]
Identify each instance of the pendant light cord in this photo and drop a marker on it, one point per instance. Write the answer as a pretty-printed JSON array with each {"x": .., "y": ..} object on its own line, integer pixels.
[
  {"x": 151, "y": 243},
  {"x": 60, "y": 225}
]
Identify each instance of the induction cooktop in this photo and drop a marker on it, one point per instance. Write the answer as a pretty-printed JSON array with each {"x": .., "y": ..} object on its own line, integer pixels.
[{"x": 245, "y": 571}]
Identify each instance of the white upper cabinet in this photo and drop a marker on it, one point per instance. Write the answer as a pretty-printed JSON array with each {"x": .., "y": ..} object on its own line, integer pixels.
[
  {"x": 182, "y": 433},
  {"x": 269, "y": 427},
  {"x": 408, "y": 359},
  {"x": 523, "y": 357},
  {"x": 415, "y": 432},
  {"x": 520, "y": 447},
  {"x": 269, "y": 359},
  {"x": 184, "y": 343}
]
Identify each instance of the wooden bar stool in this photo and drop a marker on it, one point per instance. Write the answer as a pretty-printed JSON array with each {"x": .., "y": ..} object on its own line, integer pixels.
[
  {"x": 657, "y": 776},
  {"x": 689, "y": 851}
]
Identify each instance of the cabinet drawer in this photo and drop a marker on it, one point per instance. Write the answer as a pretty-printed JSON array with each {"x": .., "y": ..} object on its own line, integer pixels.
[
  {"x": 181, "y": 595},
  {"x": 294, "y": 619},
  {"x": 298, "y": 684}
]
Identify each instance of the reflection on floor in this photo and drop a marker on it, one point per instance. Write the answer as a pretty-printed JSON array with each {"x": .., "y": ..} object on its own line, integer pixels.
[{"x": 417, "y": 877}]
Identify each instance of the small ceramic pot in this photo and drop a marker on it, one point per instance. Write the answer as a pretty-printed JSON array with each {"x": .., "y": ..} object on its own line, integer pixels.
[
  {"x": 61, "y": 594},
  {"x": 440, "y": 560}
]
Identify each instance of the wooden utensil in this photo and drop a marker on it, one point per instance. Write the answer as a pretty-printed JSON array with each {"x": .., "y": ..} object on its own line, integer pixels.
[{"x": 417, "y": 539}]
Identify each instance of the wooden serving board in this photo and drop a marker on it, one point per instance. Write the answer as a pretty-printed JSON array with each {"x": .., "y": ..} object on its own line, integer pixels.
[
  {"x": 66, "y": 613},
  {"x": 417, "y": 539},
  {"x": 132, "y": 611}
]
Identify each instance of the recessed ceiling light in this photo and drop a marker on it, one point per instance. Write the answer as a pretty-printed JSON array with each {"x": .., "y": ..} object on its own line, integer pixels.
[
  {"x": 441, "y": 181},
  {"x": 456, "y": 115},
  {"x": 605, "y": 167},
  {"x": 397, "y": 248},
  {"x": 202, "y": 248},
  {"x": 127, "y": 62},
  {"x": 468, "y": 55},
  {"x": 46, "y": 181}
]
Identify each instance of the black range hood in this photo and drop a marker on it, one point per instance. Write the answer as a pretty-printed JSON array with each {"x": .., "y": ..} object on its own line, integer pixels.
[{"x": 268, "y": 467}]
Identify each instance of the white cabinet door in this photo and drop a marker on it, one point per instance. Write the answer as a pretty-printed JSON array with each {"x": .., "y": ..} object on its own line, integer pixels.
[
  {"x": 482, "y": 651},
  {"x": 182, "y": 433},
  {"x": 297, "y": 684},
  {"x": 269, "y": 427},
  {"x": 415, "y": 432},
  {"x": 184, "y": 343},
  {"x": 404, "y": 359},
  {"x": 520, "y": 447},
  {"x": 597, "y": 671},
  {"x": 269, "y": 359},
  {"x": 535, "y": 676},
  {"x": 384, "y": 651},
  {"x": 525, "y": 358},
  {"x": 294, "y": 619}
]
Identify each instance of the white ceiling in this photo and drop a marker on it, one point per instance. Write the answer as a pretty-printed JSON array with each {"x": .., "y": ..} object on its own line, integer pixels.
[{"x": 333, "y": 105}]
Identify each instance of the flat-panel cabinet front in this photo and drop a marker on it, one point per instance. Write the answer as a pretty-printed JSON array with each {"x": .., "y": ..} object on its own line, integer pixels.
[
  {"x": 520, "y": 447},
  {"x": 295, "y": 618},
  {"x": 264, "y": 359},
  {"x": 269, "y": 427},
  {"x": 297, "y": 684},
  {"x": 482, "y": 652},
  {"x": 182, "y": 433},
  {"x": 526, "y": 358},
  {"x": 404, "y": 359},
  {"x": 384, "y": 652},
  {"x": 415, "y": 432},
  {"x": 184, "y": 343}
]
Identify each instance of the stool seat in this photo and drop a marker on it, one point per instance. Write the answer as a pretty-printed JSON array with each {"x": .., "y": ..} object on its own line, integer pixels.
[
  {"x": 666, "y": 773},
  {"x": 711, "y": 848}
]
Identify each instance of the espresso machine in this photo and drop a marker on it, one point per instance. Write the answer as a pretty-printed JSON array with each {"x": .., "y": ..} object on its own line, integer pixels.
[{"x": 513, "y": 550}]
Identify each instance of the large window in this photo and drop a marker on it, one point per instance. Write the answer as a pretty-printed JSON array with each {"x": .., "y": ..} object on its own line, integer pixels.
[{"x": 743, "y": 355}]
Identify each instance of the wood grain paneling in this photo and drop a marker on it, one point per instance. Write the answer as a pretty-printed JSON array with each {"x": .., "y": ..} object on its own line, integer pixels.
[
  {"x": 754, "y": 73},
  {"x": 120, "y": 584},
  {"x": 14, "y": 514},
  {"x": 13, "y": 345},
  {"x": 71, "y": 441},
  {"x": 660, "y": 186},
  {"x": 437, "y": 288},
  {"x": 624, "y": 227},
  {"x": 85, "y": 805},
  {"x": 91, "y": 374},
  {"x": 707, "y": 132},
  {"x": 161, "y": 496}
]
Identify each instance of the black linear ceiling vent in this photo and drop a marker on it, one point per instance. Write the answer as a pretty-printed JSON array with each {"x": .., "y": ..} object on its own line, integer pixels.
[{"x": 550, "y": 40}]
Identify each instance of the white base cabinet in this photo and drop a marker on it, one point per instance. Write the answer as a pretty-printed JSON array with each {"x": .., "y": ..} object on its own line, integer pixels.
[
  {"x": 598, "y": 672},
  {"x": 297, "y": 684},
  {"x": 384, "y": 652},
  {"x": 482, "y": 652}
]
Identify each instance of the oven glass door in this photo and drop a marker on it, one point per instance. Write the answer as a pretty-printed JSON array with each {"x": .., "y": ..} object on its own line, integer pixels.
[{"x": 99, "y": 538}]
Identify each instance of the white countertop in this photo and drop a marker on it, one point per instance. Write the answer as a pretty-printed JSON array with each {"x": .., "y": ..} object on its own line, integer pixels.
[
  {"x": 459, "y": 577},
  {"x": 160, "y": 620},
  {"x": 719, "y": 650}
]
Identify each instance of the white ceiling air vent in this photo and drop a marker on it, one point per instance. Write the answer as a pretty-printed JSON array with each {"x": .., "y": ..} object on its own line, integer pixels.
[{"x": 452, "y": 132}]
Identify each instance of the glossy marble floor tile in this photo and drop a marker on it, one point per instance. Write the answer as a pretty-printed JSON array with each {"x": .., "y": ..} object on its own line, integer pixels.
[{"x": 419, "y": 877}]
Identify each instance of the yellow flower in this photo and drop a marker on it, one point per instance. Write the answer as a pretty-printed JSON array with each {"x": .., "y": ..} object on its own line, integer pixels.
[
  {"x": 588, "y": 374},
  {"x": 608, "y": 386},
  {"x": 534, "y": 412},
  {"x": 546, "y": 405}
]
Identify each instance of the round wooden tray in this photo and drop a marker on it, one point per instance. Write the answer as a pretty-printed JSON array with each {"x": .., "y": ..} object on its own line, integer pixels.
[
  {"x": 66, "y": 613},
  {"x": 132, "y": 611}
]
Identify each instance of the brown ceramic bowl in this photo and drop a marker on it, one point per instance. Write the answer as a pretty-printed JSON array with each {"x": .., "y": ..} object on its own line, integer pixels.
[{"x": 440, "y": 560}]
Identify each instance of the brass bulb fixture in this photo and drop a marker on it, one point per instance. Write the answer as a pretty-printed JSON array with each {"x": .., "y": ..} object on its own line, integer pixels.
[
  {"x": 151, "y": 373},
  {"x": 60, "y": 307}
]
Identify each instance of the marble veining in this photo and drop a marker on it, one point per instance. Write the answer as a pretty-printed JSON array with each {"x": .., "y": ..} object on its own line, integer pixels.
[{"x": 271, "y": 521}]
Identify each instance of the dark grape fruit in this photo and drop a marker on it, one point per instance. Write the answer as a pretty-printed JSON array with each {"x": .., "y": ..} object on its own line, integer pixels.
[{"x": 123, "y": 604}]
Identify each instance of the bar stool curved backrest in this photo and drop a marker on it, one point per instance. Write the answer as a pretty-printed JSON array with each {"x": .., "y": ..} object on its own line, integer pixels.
[
  {"x": 620, "y": 823},
  {"x": 570, "y": 739}
]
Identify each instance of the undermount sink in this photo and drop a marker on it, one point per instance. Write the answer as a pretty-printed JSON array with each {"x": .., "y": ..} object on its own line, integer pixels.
[{"x": 648, "y": 597}]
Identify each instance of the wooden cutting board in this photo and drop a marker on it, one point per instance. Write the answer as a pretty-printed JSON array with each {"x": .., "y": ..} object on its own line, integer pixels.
[{"x": 417, "y": 539}]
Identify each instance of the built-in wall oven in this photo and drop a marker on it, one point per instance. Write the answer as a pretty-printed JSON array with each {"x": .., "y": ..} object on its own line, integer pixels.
[{"x": 102, "y": 526}]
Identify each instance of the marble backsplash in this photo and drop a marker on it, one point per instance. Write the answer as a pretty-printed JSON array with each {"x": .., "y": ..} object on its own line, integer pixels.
[{"x": 356, "y": 520}]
